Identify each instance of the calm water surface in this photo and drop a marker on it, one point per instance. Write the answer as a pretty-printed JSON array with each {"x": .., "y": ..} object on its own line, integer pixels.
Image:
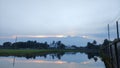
[{"x": 67, "y": 60}]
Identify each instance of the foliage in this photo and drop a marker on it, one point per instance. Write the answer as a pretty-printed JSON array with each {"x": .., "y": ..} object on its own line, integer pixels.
[
  {"x": 92, "y": 45},
  {"x": 31, "y": 45},
  {"x": 54, "y": 45}
]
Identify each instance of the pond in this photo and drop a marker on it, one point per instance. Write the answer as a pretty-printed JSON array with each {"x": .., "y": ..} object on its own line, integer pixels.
[{"x": 53, "y": 60}]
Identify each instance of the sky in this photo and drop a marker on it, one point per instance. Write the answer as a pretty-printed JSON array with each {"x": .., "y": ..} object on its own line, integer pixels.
[{"x": 58, "y": 18}]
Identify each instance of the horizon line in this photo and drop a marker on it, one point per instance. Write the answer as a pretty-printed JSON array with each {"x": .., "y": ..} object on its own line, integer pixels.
[{"x": 41, "y": 36}]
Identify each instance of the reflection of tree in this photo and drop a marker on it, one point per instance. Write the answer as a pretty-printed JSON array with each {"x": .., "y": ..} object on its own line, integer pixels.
[
  {"x": 13, "y": 61},
  {"x": 30, "y": 56},
  {"x": 57, "y": 55},
  {"x": 53, "y": 57},
  {"x": 90, "y": 56},
  {"x": 33, "y": 56},
  {"x": 93, "y": 56},
  {"x": 106, "y": 63}
]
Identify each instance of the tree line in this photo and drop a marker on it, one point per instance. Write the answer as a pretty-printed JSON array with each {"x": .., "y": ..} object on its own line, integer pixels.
[
  {"x": 31, "y": 45},
  {"x": 54, "y": 45}
]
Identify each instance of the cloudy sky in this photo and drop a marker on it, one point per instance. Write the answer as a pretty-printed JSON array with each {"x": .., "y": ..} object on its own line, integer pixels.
[{"x": 58, "y": 18}]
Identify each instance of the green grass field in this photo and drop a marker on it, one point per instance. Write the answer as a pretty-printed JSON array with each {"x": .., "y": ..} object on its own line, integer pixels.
[{"x": 13, "y": 52}]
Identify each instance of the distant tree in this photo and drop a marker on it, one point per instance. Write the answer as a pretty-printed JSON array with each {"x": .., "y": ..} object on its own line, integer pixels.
[
  {"x": 92, "y": 45},
  {"x": 7, "y": 44},
  {"x": 18, "y": 45},
  {"x": 60, "y": 45},
  {"x": 45, "y": 45},
  {"x": 32, "y": 45},
  {"x": 1, "y": 46},
  {"x": 94, "y": 42},
  {"x": 106, "y": 42},
  {"x": 89, "y": 45},
  {"x": 74, "y": 46},
  {"x": 53, "y": 42}
]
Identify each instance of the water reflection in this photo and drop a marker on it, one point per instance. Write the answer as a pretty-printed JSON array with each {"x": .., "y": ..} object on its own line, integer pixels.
[
  {"x": 58, "y": 55},
  {"x": 13, "y": 61},
  {"x": 53, "y": 60}
]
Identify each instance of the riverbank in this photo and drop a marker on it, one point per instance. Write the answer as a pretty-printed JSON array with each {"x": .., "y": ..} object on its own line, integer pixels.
[{"x": 13, "y": 52}]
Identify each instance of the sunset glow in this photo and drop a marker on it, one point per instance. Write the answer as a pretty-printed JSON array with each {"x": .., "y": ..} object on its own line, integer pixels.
[
  {"x": 42, "y": 36},
  {"x": 35, "y": 61},
  {"x": 33, "y": 36}
]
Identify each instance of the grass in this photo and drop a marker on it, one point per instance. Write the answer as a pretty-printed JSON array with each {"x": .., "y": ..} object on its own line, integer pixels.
[{"x": 21, "y": 52}]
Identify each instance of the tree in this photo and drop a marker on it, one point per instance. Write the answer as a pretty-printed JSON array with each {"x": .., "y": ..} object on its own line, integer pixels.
[
  {"x": 7, "y": 44},
  {"x": 89, "y": 45},
  {"x": 106, "y": 42},
  {"x": 94, "y": 42},
  {"x": 60, "y": 45},
  {"x": 53, "y": 42},
  {"x": 45, "y": 45},
  {"x": 74, "y": 46}
]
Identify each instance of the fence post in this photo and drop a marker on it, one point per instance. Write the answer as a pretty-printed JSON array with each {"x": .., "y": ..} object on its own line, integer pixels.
[
  {"x": 116, "y": 52},
  {"x": 117, "y": 30}
]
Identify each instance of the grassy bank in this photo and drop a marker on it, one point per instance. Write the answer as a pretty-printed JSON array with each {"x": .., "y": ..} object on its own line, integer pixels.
[
  {"x": 27, "y": 51},
  {"x": 13, "y": 52}
]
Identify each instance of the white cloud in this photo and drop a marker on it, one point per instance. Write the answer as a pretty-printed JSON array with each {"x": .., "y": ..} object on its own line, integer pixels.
[{"x": 57, "y": 17}]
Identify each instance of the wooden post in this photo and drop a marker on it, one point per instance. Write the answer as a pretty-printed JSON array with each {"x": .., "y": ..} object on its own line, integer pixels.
[
  {"x": 110, "y": 46},
  {"x": 108, "y": 32},
  {"x": 117, "y": 29},
  {"x": 116, "y": 53},
  {"x": 116, "y": 49},
  {"x": 14, "y": 56}
]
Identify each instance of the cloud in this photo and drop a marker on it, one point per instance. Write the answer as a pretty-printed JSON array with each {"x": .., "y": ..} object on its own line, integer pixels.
[
  {"x": 32, "y": 36},
  {"x": 33, "y": 61},
  {"x": 57, "y": 18},
  {"x": 87, "y": 62}
]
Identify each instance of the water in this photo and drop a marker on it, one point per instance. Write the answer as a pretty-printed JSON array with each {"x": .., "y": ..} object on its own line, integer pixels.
[{"x": 54, "y": 60}]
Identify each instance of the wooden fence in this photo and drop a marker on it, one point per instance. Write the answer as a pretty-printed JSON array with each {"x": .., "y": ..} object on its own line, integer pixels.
[{"x": 112, "y": 51}]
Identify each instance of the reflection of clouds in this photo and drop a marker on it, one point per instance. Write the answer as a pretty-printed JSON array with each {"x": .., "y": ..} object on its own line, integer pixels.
[
  {"x": 6, "y": 59},
  {"x": 33, "y": 61},
  {"x": 60, "y": 62},
  {"x": 36, "y": 63},
  {"x": 43, "y": 61},
  {"x": 91, "y": 61},
  {"x": 87, "y": 62}
]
